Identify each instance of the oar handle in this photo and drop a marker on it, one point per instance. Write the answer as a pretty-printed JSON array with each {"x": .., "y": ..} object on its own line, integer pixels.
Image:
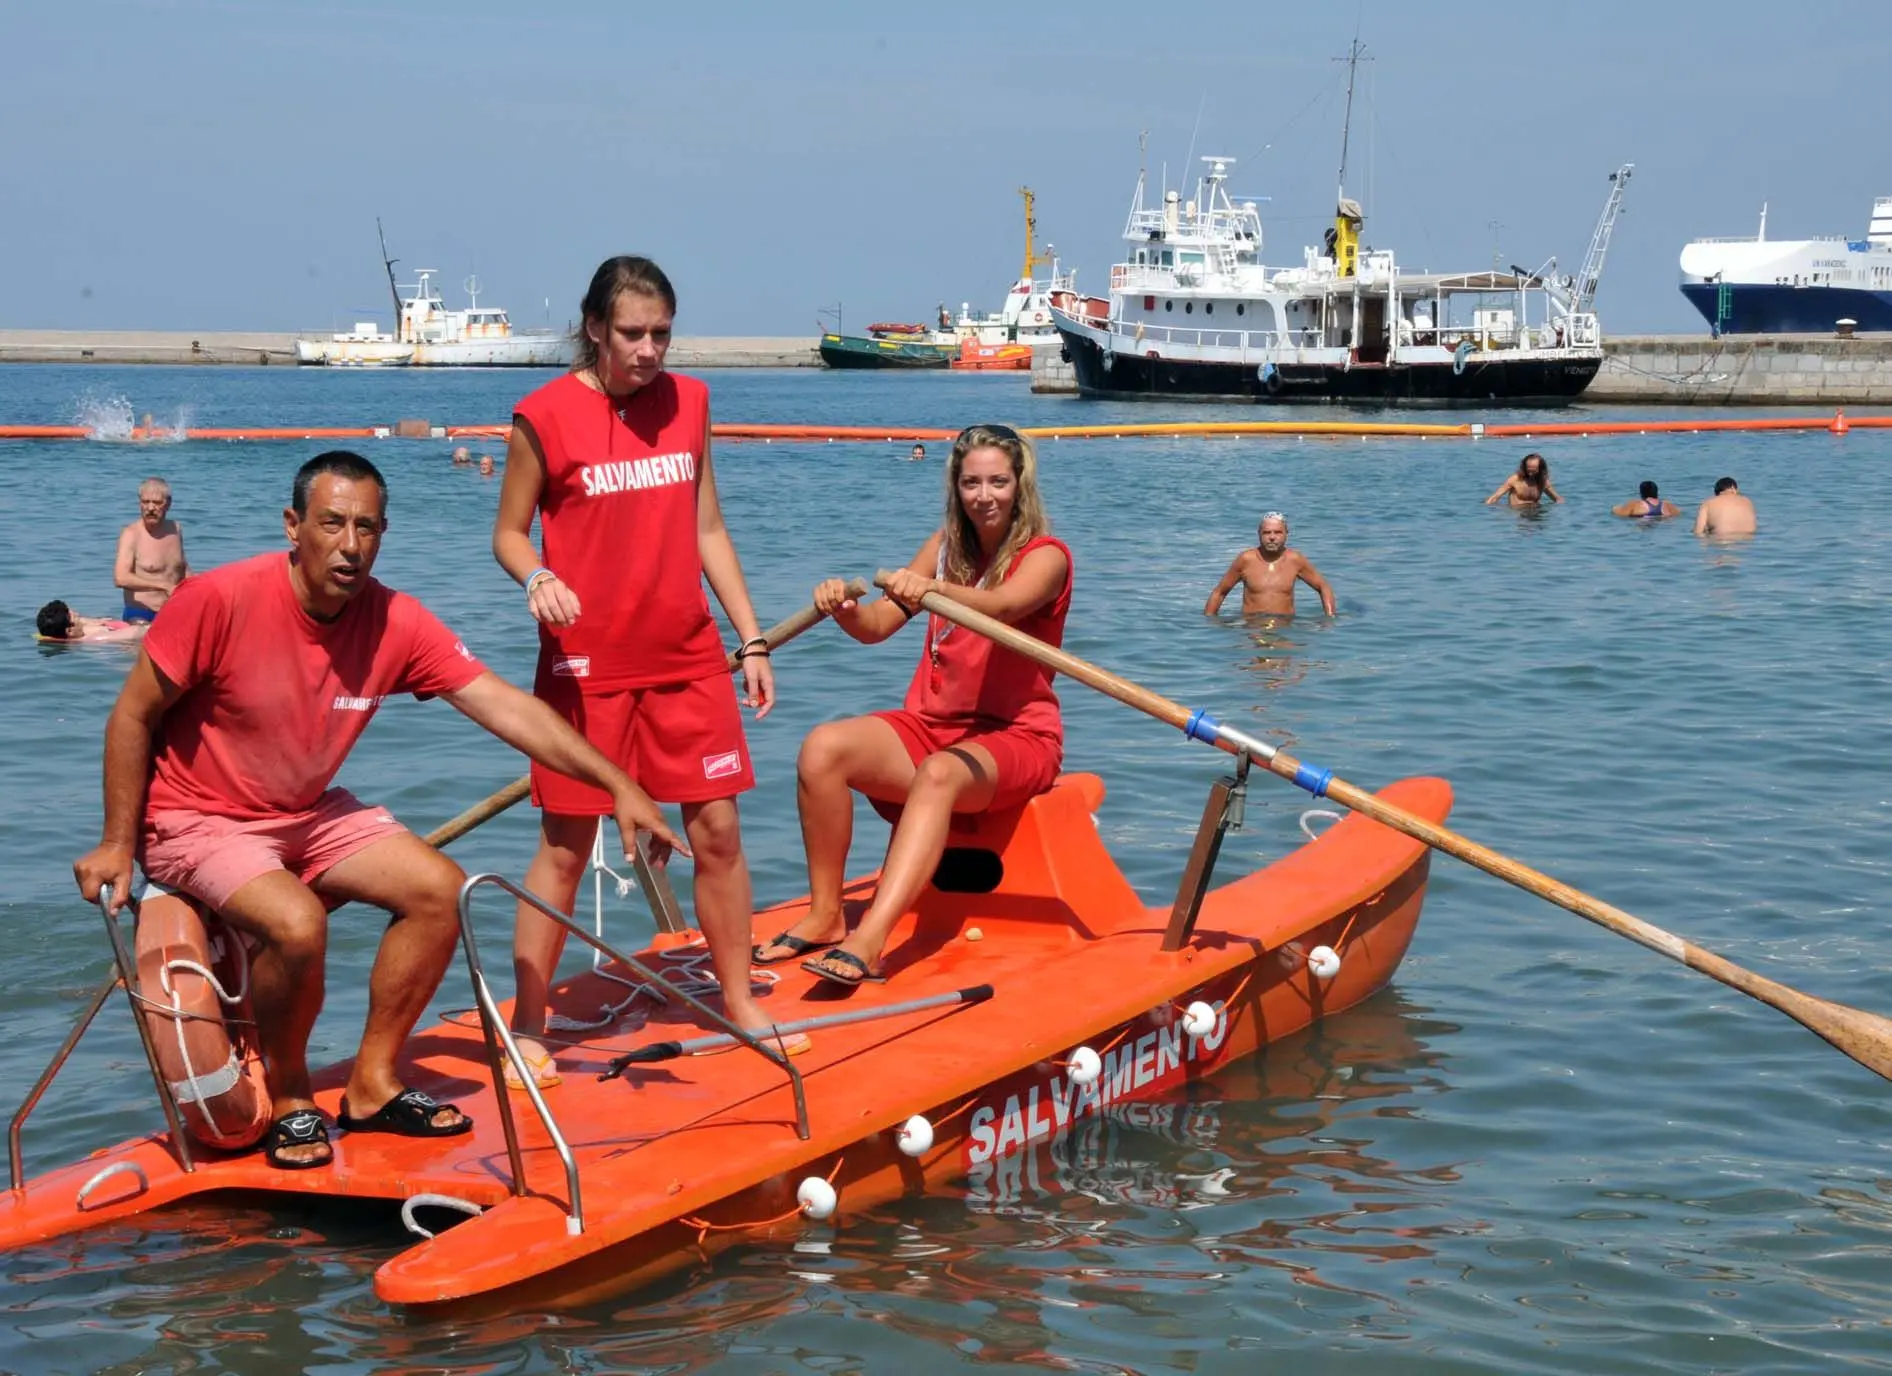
[
  {"x": 485, "y": 810},
  {"x": 1866, "y": 1037}
]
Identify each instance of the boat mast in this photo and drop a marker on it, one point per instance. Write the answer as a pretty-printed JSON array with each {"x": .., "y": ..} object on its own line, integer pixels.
[
  {"x": 1347, "y": 220},
  {"x": 1352, "y": 59},
  {"x": 389, "y": 263}
]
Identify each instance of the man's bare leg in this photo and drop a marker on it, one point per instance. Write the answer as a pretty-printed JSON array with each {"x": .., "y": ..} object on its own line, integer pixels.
[
  {"x": 286, "y": 987},
  {"x": 419, "y": 886}
]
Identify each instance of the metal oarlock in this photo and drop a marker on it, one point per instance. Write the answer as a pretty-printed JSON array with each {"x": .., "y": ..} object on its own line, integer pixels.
[{"x": 1224, "y": 810}]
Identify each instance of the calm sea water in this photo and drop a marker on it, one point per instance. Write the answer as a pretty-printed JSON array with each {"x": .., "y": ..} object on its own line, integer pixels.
[{"x": 1543, "y": 1149}]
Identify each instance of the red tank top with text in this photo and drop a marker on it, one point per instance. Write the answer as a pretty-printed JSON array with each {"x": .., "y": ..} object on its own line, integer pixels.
[
  {"x": 968, "y": 682},
  {"x": 617, "y": 519}
]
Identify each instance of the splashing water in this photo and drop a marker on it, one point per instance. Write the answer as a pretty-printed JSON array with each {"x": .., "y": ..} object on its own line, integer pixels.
[
  {"x": 112, "y": 419},
  {"x": 108, "y": 418}
]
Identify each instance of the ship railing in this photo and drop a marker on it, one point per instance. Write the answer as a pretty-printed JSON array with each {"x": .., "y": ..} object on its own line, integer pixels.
[{"x": 1260, "y": 343}]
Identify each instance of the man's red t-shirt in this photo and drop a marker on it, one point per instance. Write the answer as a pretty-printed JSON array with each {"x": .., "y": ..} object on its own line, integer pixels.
[
  {"x": 617, "y": 517},
  {"x": 273, "y": 699}
]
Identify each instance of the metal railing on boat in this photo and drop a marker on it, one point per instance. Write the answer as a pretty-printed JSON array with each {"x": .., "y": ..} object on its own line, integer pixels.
[{"x": 502, "y": 1048}]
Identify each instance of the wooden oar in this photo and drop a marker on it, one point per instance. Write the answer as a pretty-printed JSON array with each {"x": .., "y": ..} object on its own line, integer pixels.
[
  {"x": 1866, "y": 1037},
  {"x": 777, "y": 635}
]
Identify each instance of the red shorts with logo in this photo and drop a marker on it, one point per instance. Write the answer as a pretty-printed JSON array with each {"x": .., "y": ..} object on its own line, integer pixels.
[
  {"x": 1028, "y": 762},
  {"x": 211, "y": 857},
  {"x": 682, "y": 742}
]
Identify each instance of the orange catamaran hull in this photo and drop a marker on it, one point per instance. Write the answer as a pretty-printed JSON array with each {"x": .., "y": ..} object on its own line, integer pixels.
[{"x": 680, "y": 1155}]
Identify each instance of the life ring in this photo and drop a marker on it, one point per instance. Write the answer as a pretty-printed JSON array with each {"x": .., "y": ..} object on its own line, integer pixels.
[
  {"x": 1459, "y": 355},
  {"x": 1270, "y": 377},
  {"x": 194, "y": 987}
]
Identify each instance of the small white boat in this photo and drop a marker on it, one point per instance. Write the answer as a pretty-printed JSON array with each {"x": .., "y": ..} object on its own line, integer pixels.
[{"x": 428, "y": 335}]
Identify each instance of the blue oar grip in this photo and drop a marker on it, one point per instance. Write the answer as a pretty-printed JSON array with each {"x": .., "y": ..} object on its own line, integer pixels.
[
  {"x": 1202, "y": 727},
  {"x": 1312, "y": 779}
]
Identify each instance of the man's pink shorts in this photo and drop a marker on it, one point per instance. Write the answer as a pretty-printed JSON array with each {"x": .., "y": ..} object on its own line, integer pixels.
[{"x": 210, "y": 857}]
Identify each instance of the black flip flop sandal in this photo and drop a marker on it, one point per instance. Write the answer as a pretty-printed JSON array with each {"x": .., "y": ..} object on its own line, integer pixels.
[
  {"x": 302, "y": 1127},
  {"x": 848, "y": 960},
  {"x": 408, "y": 1114},
  {"x": 797, "y": 946}
]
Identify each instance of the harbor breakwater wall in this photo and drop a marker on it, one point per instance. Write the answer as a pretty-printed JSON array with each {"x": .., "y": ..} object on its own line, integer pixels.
[
  {"x": 1669, "y": 370},
  {"x": 253, "y": 349}
]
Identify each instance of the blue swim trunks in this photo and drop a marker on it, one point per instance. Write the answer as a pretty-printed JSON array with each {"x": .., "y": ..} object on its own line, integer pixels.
[{"x": 136, "y": 613}]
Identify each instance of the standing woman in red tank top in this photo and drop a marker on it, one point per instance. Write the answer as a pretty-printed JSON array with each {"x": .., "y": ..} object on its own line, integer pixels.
[
  {"x": 614, "y": 460},
  {"x": 980, "y": 727}
]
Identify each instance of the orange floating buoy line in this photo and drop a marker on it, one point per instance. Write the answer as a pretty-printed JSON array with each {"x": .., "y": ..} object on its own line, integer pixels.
[{"x": 1838, "y": 424}]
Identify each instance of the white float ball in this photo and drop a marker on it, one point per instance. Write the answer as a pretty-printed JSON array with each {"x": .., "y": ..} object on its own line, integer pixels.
[
  {"x": 1198, "y": 1019},
  {"x": 916, "y": 1135},
  {"x": 1085, "y": 1065},
  {"x": 816, "y": 1197},
  {"x": 1324, "y": 961}
]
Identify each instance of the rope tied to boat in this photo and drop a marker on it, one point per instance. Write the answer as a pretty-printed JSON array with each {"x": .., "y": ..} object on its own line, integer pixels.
[{"x": 704, "y": 1227}]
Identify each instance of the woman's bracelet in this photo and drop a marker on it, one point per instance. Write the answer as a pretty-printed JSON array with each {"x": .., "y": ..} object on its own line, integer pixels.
[
  {"x": 746, "y": 653},
  {"x": 761, "y": 640},
  {"x": 532, "y": 579}
]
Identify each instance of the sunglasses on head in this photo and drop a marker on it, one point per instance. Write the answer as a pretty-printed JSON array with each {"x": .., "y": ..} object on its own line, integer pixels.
[{"x": 1001, "y": 432}]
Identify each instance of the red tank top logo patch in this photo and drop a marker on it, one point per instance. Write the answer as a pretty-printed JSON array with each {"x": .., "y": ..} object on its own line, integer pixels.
[
  {"x": 722, "y": 766},
  {"x": 634, "y": 475},
  {"x": 575, "y": 666}
]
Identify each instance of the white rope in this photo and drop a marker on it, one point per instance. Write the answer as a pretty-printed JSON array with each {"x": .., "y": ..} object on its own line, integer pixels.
[
  {"x": 693, "y": 975},
  {"x": 438, "y": 1201},
  {"x": 1313, "y": 812}
]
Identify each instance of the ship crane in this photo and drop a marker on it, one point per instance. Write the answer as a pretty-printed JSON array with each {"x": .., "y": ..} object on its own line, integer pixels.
[
  {"x": 1592, "y": 270},
  {"x": 1033, "y": 260}
]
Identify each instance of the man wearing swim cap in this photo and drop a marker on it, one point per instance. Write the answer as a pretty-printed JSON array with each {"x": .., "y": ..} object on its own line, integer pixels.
[
  {"x": 248, "y": 694},
  {"x": 1268, "y": 574}
]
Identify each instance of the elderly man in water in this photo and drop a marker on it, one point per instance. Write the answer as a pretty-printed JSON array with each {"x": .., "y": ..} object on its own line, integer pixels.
[
  {"x": 1268, "y": 574},
  {"x": 150, "y": 562}
]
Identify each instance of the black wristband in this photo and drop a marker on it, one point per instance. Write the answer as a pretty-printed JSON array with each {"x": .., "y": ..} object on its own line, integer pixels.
[{"x": 746, "y": 653}]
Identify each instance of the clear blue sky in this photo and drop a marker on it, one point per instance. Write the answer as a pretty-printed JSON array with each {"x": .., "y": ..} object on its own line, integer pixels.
[{"x": 176, "y": 164}]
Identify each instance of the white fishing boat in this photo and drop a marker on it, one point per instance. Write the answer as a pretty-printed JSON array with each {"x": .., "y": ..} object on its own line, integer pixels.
[
  {"x": 428, "y": 335},
  {"x": 1194, "y": 314}
]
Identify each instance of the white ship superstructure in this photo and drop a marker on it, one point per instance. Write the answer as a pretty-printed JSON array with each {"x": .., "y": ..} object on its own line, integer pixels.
[{"x": 1757, "y": 285}]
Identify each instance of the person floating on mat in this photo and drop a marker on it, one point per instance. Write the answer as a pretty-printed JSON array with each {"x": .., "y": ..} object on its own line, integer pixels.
[
  {"x": 246, "y": 697},
  {"x": 1268, "y": 573},
  {"x": 1528, "y": 486},
  {"x": 614, "y": 460},
  {"x": 980, "y": 727},
  {"x": 59, "y": 623}
]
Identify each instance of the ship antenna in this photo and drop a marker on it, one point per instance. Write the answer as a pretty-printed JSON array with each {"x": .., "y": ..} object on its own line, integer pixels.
[
  {"x": 1354, "y": 52},
  {"x": 389, "y": 263}
]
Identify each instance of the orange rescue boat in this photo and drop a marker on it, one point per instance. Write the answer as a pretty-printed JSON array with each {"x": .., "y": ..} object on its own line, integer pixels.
[{"x": 1031, "y": 989}]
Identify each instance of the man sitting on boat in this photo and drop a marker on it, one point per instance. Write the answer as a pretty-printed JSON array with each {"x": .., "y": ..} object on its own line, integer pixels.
[
  {"x": 248, "y": 694},
  {"x": 980, "y": 727}
]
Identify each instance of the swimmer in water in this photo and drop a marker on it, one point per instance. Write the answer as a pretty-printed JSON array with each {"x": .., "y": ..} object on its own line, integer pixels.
[
  {"x": 1528, "y": 486},
  {"x": 1268, "y": 574},
  {"x": 1648, "y": 506},
  {"x": 1728, "y": 512},
  {"x": 57, "y": 621}
]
